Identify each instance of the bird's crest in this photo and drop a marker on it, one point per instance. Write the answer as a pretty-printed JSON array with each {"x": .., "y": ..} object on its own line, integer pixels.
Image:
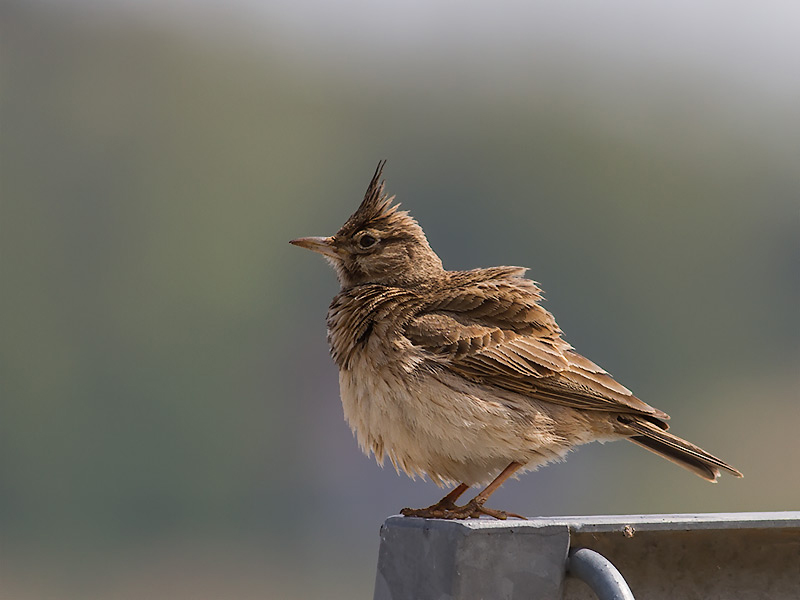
[{"x": 377, "y": 210}]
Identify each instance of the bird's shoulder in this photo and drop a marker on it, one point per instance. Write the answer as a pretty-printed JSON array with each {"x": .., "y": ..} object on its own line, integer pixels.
[
  {"x": 488, "y": 312},
  {"x": 496, "y": 296}
]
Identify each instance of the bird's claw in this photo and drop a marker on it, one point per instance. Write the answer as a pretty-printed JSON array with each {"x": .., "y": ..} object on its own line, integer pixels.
[{"x": 473, "y": 509}]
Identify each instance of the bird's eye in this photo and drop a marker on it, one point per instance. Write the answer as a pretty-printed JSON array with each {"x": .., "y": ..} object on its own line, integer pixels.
[{"x": 367, "y": 241}]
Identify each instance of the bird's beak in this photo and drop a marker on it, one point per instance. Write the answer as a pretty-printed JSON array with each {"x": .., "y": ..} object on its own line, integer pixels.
[{"x": 323, "y": 245}]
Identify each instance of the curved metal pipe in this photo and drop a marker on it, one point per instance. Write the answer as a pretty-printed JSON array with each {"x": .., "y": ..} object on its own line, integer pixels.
[{"x": 596, "y": 571}]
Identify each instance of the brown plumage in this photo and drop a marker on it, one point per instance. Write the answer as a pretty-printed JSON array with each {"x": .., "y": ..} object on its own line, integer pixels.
[{"x": 461, "y": 375}]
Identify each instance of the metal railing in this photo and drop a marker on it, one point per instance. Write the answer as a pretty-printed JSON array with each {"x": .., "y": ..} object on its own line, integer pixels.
[{"x": 719, "y": 555}]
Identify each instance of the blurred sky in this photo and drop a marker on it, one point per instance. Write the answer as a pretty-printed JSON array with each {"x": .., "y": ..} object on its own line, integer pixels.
[
  {"x": 171, "y": 424},
  {"x": 733, "y": 41}
]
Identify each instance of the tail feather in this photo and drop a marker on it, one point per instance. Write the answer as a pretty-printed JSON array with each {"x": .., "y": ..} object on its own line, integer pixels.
[{"x": 677, "y": 450}]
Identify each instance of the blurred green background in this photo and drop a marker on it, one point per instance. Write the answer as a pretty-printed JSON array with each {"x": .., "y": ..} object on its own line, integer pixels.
[{"x": 171, "y": 426}]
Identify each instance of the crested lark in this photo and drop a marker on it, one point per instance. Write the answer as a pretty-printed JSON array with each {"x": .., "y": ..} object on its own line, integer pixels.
[{"x": 461, "y": 375}]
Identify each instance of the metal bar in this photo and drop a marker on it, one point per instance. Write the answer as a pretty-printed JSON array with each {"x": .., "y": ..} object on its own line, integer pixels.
[
  {"x": 737, "y": 556},
  {"x": 596, "y": 571}
]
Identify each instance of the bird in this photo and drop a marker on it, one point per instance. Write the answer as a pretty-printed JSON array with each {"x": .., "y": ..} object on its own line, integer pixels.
[{"x": 462, "y": 376}]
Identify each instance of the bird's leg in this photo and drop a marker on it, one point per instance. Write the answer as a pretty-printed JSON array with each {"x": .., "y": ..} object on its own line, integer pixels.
[
  {"x": 446, "y": 509},
  {"x": 440, "y": 508},
  {"x": 449, "y": 501},
  {"x": 474, "y": 508}
]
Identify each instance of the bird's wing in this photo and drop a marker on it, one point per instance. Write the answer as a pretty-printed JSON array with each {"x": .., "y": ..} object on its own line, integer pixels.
[{"x": 495, "y": 333}]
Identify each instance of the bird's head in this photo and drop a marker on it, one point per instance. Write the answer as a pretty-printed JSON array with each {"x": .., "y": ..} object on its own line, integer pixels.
[{"x": 378, "y": 244}]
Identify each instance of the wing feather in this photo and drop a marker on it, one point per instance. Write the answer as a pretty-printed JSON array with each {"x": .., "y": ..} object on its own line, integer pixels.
[{"x": 492, "y": 330}]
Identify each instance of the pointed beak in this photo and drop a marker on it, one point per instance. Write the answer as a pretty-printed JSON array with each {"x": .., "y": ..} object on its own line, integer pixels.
[{"x": 323, "y": 245}]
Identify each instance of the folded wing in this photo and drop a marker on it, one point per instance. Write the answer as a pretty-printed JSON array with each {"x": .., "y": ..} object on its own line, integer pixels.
[{"x": 489, "y": 328}]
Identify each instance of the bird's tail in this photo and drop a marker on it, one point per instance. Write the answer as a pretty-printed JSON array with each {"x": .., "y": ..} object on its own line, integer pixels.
[{"x": 683, "y": 453}]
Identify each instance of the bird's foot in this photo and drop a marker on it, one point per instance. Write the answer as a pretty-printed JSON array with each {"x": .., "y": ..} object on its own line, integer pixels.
[
  {"x": 435, "y": 511},
  {"x": 473, "y": 509}
]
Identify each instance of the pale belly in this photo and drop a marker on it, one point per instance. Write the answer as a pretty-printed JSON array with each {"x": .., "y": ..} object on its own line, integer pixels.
[{"x": 440, "y": 426}]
